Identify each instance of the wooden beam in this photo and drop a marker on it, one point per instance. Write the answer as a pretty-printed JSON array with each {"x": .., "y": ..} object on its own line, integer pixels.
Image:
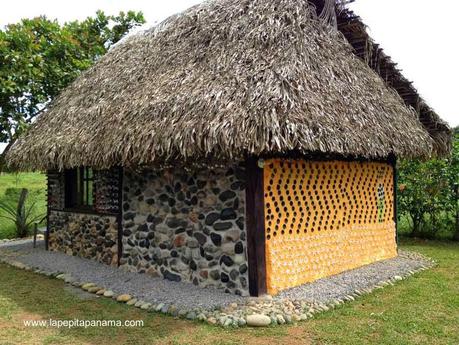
[
  {"x": 47, "y": 211},
  {"x": 119, "y": 218},
  {"x": 255, "y": 224}
]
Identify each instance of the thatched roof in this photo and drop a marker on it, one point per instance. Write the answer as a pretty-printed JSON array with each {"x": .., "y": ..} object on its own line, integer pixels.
[{"x": 223, "y": 80}]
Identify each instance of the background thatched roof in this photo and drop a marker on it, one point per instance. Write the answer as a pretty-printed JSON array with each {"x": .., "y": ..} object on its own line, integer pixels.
[
  {"x": 222, "y": 80},
  {"x": 352, "y": 27}
]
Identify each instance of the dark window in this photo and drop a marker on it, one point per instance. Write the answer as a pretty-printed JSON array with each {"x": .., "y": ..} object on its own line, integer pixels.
[{"x": 79, "y": 188}]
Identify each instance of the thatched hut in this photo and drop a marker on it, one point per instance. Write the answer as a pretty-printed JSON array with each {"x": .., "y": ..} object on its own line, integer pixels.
[{"x": 248, "y": 145}]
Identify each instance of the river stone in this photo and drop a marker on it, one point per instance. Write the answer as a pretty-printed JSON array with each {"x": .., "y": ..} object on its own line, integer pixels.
[
  {"x": 216, "y": 239},
  {"x": 173, "y": 310},
  {"x": 86, "y": 286},
  {"x": 221, "y": 226},
  {"x": 67, "y": 278},
  {"x": 132, "y": 301},
  {"x": 241, "y": 322},
  {"x": 226, "y": 195},
  {"x": 109, "y": 293},
  {"x": 145, "y": 306},
  {"x": 227, "y": 214},
  {"x": 202, "y": 239},
  {"x": 191, "y": 315},
  {"x": 227, "y": 260},
  {"x": 211, "y": 218},
  {"x": 228, "y": 322},
  {"x": 123, "y": 298},
  {"x": 280, "y": 319},
  {"x": 258, "y": 320},
  {"x": 94, "y": 289}
]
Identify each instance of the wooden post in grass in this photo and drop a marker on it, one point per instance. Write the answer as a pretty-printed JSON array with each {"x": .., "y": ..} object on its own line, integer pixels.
[{"x": 35, "y": 230}]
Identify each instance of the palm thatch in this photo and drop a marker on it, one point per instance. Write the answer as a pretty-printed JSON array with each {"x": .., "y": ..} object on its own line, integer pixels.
[{"x": 223, "y": 80}]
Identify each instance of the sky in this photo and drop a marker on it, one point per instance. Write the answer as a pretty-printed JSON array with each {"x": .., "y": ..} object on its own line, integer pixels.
[{"x": 420, "y": 35}]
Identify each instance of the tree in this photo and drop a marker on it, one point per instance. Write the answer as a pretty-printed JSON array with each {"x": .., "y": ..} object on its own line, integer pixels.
[
  {"x": 39, "y": 57},
  {"x": 427, "y": 192}
]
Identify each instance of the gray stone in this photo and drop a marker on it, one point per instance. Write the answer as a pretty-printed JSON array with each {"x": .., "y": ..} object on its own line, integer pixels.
[
  {"x": 258, "y": 320},
  {"x": 232, "y": 235},
  {"x": 145, "y": 306},
  {"x": 211, "y": 218},
  {"x": 214, "y": 274},
  {"x": 202, "y": 239},
  {"x": 192, "y": 243},
  {"x": 228, "y": 214},
  {"x": 216, "y": 239},
  {"x": 109, "y": 293},
  {"x": 228, "y": 322},
  {"x": 171, "y": 276},
  {"x": 227, "y": 195},
  {"x": 239, "y": 248},
  {"x": 222, "y": 226},
  {"x": 280, "y": 319},
  {"x": 234, "y": 274},
  {"x": 228, "y": 248},
  {"x": 191, "y": 315},
  {"x": 227, "y": 260}
]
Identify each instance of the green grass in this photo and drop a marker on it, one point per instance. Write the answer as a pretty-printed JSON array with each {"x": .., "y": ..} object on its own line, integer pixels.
[
  {"x": 423, "y": 309},
  {"x": 35, "y": 183}
]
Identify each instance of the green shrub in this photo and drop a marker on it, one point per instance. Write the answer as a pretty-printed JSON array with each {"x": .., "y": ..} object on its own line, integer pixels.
[{"x": 427, "y": 196}]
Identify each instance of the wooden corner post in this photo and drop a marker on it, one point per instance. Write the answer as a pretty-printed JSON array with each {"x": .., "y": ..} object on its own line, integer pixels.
[
  {"x": 393, "y": 162},
  {"x": 119, "y": 217},
  {"x": 255, "y": 224}
]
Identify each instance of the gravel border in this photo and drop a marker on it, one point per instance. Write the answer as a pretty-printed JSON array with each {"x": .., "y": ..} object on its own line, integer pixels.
[
  {"x": 214, "y": 306},
  {"x": 145, "y": 287}
]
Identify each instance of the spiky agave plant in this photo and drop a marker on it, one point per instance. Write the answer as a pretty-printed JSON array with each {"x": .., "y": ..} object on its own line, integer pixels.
[{"x": 21, "y": 215}]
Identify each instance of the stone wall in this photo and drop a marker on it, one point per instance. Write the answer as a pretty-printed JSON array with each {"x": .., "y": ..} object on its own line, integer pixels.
[
  {"x": 55, "y": 190},
  {"x": 107, "y": 190},
  {"x": 187, "y": 226},
  {"x": 85, "y": 235}
]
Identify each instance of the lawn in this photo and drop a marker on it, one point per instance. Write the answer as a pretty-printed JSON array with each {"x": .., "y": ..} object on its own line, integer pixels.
[
  {"x": 10, "y": 185},
  {"x": 424, "y": 309}
]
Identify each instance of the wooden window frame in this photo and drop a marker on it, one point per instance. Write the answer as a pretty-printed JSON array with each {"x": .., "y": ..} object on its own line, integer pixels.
[{"x": 79, "y": 183}]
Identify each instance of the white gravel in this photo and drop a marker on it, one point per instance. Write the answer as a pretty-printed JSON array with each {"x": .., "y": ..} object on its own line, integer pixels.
[
  {"x": 365, "y": 277},
  {"x": 149, "y": 289},
  {"x": 187, "y": 296}
]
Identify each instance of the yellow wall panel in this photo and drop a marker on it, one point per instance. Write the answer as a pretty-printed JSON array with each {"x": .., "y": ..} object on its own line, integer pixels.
[{"x": 322, "y": 218}]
